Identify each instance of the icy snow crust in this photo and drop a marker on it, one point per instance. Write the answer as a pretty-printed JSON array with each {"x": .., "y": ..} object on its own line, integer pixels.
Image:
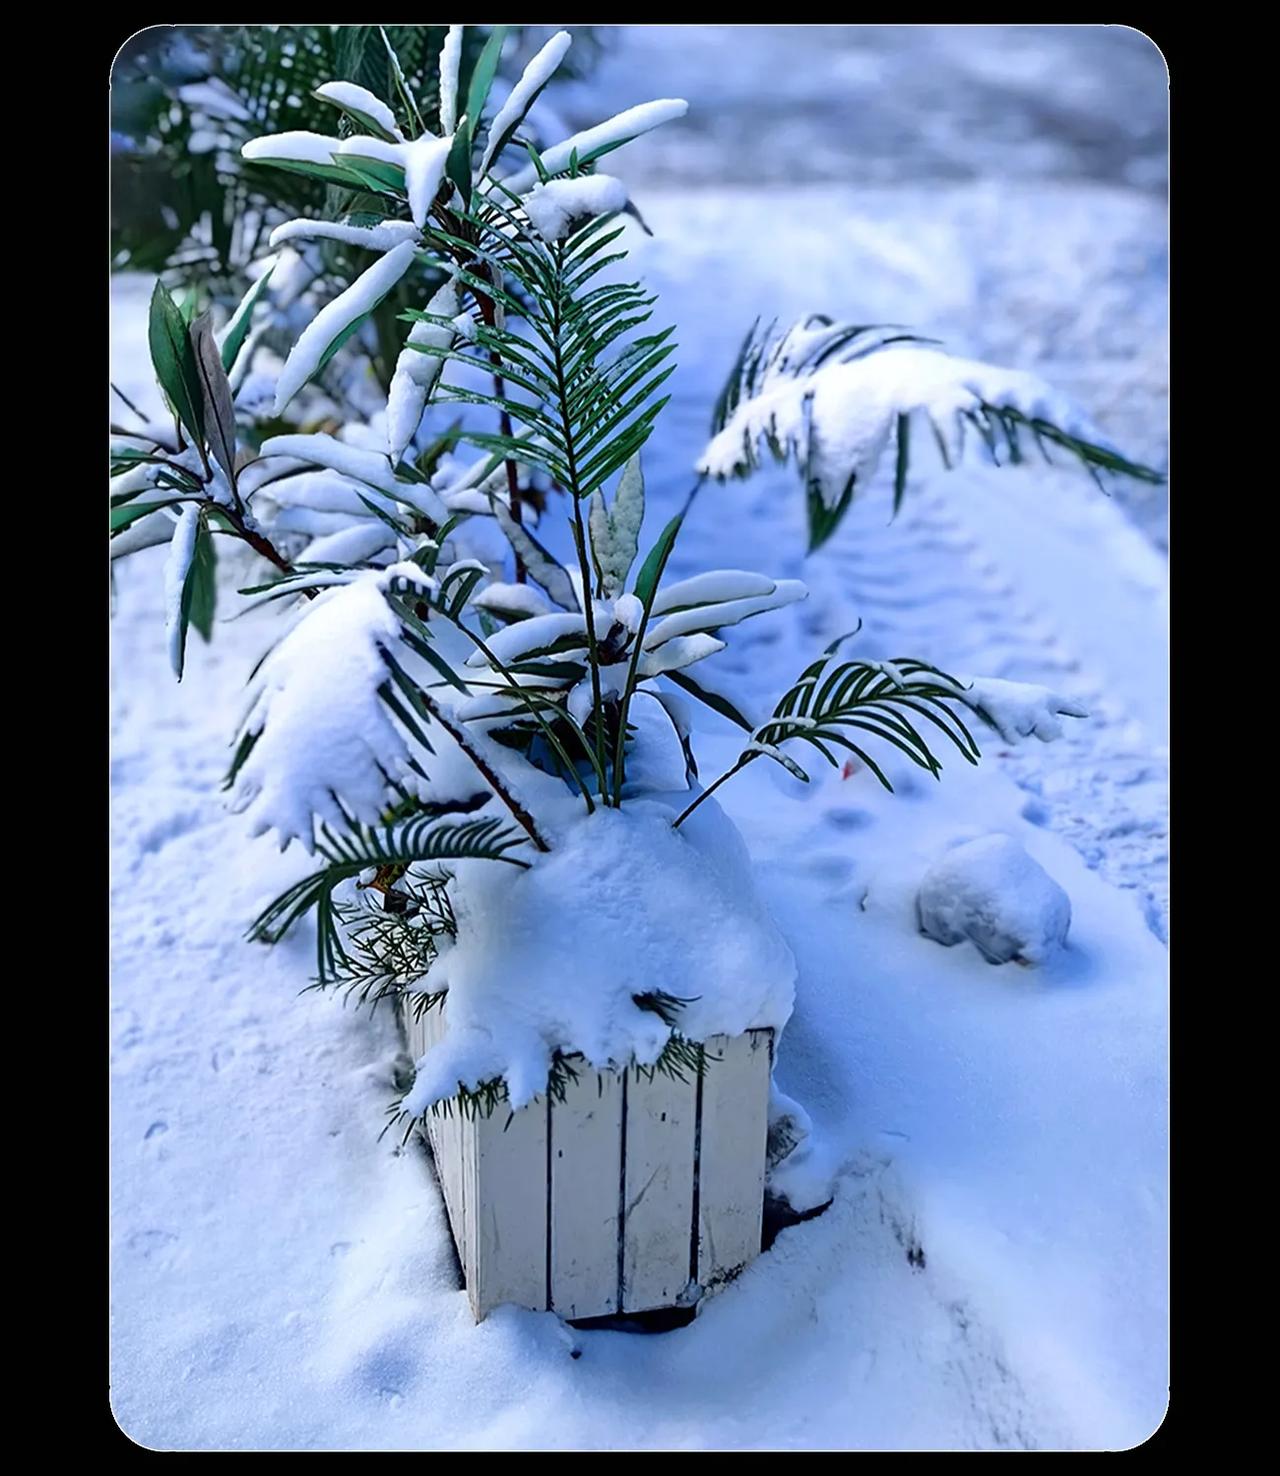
[{"x": 623, "y": 905}]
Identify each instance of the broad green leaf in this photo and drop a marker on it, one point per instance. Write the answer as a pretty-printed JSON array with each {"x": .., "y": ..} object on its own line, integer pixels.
[
  {"x": 716, "y": 701},
  {"x": 330, "y": 173},
  {"x": 549, "y": 573},
  {"x": 241, "y": 320},
  {"x": 486, "y": 69},
  {"x": 368, "y": 122},
  {"x": 122, "y": 517},
  {"x": 174, "y": 361},
  {"x": 651, "y": 569},
  {"x": 377, "y": 174},
  {"x": 219, "y": 412},
  {"x": 615, "y": 532},
  {"x": 458, "y": 165},
  {"x": 200, "y": 591}
]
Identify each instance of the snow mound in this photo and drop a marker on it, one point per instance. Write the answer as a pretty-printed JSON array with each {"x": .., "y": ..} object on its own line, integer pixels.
[
  {"x": 558, "y": 208},
  {"x": 622, "y": 906},
  {"x": 993, "y": 893}
]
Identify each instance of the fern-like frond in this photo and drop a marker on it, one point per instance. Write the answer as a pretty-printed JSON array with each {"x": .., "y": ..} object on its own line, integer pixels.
[
  {"x": 361, "y": 848},
  {"x": 888, "y": 701},
  {"x": 835, "y": 395}
]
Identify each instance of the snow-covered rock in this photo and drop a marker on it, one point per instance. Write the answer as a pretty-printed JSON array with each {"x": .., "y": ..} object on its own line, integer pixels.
[{"x": 991, "y": 892}]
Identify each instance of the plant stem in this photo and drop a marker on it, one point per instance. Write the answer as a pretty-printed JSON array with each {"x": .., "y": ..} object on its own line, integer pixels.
[
  {"x": 523, "y": 818},
  {"x": 742, "y": 763}
]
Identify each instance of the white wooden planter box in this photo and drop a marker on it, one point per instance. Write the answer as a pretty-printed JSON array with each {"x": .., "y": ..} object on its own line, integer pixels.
[{"x": 628, "y": 1196}]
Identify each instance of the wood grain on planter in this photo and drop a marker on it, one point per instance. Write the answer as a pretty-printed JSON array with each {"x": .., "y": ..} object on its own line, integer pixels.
[{"x": 629, "y": 1196}]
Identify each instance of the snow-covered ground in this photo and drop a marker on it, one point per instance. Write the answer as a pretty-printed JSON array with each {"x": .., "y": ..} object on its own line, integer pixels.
[{"x": 992, "y": 1273}]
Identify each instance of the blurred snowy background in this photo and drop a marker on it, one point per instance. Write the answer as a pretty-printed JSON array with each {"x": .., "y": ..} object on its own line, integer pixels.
[{"x": 1002, "y": 186}]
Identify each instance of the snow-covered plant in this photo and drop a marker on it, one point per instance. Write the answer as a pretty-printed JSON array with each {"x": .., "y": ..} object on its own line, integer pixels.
[
  {"x": 420, "y": 718},
  {"x": 187, "y": 204},
  {"x": 837, "y": 395}
]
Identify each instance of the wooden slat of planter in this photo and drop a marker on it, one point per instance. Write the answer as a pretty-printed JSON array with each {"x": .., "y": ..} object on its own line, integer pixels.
[
  {"x": 658, "y": 1191},
  {"x": 505, "y": 1189},
  {"x": 731, "y": 1153},
  {"x": 586, "y": 1168},
  {"x": 444, "y": 1133}
]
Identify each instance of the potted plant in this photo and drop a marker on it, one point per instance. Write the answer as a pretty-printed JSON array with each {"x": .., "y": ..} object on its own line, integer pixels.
[{"x": 499, "y": 777}]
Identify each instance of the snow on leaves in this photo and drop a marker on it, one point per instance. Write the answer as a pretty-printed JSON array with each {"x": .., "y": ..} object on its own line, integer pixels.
[{"x": 835, "y": 395}]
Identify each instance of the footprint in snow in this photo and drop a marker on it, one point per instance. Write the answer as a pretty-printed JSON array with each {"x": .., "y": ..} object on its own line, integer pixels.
[{"x": 149, "y": 1244}]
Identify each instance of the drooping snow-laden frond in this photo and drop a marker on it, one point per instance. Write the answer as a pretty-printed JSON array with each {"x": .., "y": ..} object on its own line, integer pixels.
[
  {"x": 376, "y": 472},
  {"x": 351, "y": 848},
  {"x": 835, "y": 395},
  {"x": 1018, "y": 710},
  {"x": 321, "y": 742}
]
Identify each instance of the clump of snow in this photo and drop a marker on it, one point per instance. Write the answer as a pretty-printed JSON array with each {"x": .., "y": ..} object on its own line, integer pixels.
[
  {"x": 360, "y": 465},
  {"x": 298, "y": 146},
  {"x": 992, "y": 893},
  {"x": 384, "y": 236},
  {"x": 364, "y": 294},
  {"x": 512, "y": 601},
  {"x": 532, "y": 80},
  {"x": 416, "y": 372},
  {"x": 556, "y": 209},
  {"x": 1020, "y": 709},
  {"x": 800, "y": 1167},
  {"x": 358, "y": 100},
  {"x": 323, "y": 729},
  {"x": 424, "y": 160},
  {"x": 840, "y": 418},
  {"x": 365, "y": 146},
  {"x": 622, "y": 905},
  {"x": 619, "y": 129},
  {"x": 356, "y": 544},
  {"x": 450, "y": 61},
  {"x": 181, "y": 551}
]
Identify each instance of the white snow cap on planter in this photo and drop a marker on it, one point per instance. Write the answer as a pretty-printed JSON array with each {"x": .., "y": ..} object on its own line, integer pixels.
[
  {"x": 556, "y": 209},
  {"x": 622, "y": 905},
  {"x": 991, "y": 892}
]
